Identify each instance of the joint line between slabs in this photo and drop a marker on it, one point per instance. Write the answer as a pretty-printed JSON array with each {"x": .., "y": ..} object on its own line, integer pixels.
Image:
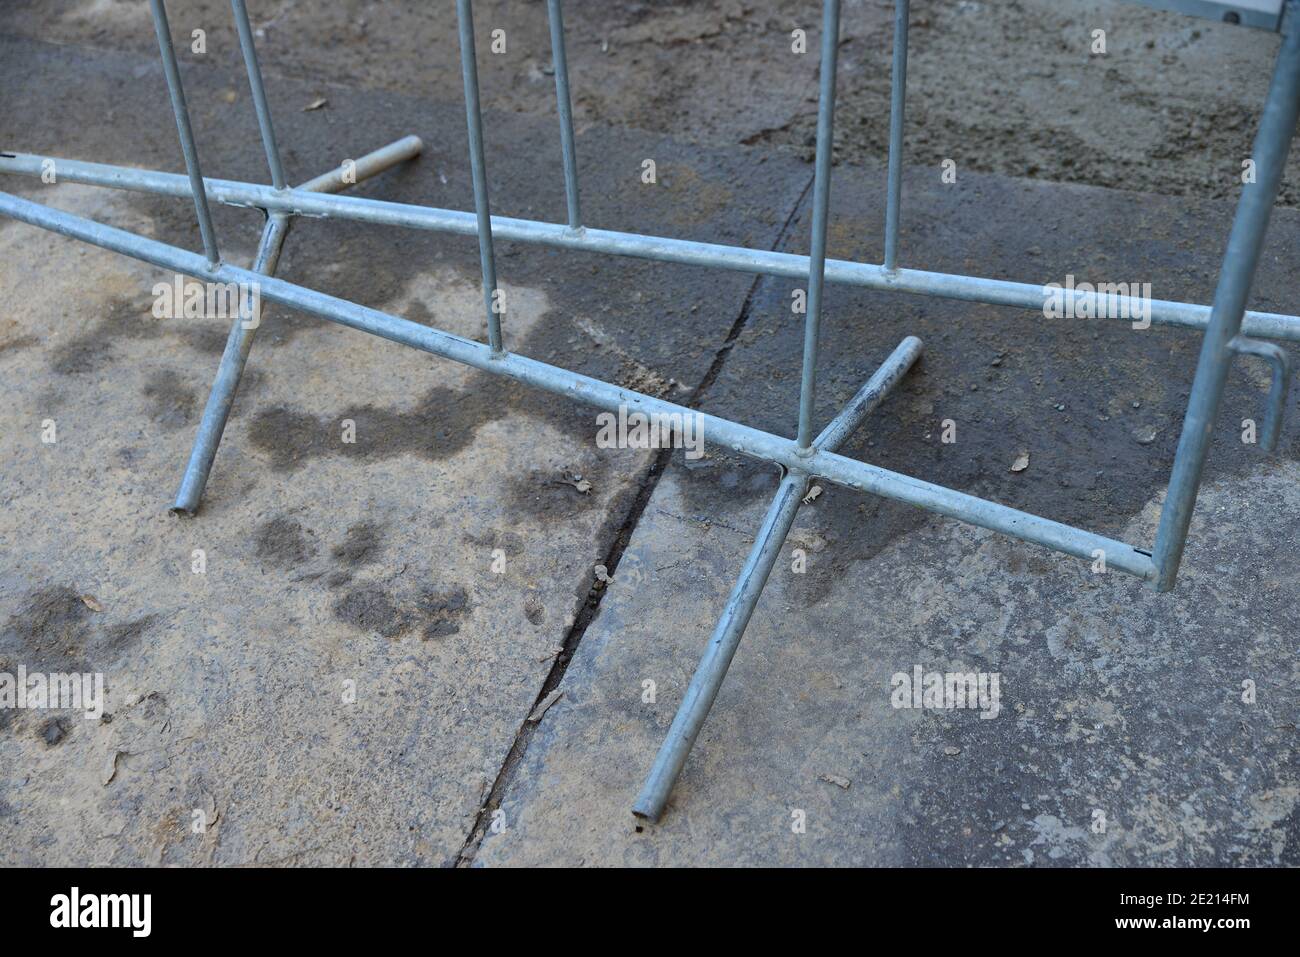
[{"x": 587, "y": 614}]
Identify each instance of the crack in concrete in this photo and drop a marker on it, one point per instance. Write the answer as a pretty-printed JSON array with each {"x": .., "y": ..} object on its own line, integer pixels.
[{"x": 647, "y": 483}]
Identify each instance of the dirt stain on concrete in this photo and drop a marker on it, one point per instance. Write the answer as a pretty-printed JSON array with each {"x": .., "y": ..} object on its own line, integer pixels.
[
  {"x": 171, "y": 401},
  {"x": 548, "y": 494},
  {"x": 91, "y": 350},
  {"x": 284, "y": 542},
  {"x": 128, "y": 319},
  {"x": 208, "y": 338},
  {"x": 21, "y": 342},
  {"x": 372, "y": 608},
  {"x": 695, "y": 199},
  {"x": 362, "y": 545},
  {"x": 54, "y": 730},
  {"x": 55, "y": 631},
  {"x": 509, "y": 542},
  {"x": 440, "y": 425},
  {"x": 443, "y": 610}
]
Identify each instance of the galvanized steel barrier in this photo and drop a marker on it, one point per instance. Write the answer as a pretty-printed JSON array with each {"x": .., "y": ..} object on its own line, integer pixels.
[{"x": 1228, "y": 329}]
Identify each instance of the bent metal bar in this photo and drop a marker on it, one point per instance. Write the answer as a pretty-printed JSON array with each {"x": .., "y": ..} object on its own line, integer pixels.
[{"x": 1229, "y": 330}]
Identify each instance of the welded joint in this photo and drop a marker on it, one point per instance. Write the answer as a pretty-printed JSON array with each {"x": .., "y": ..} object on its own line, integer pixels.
[
  {"x": 802, "y": 476},
  {"x": 1279, "y": 388}
]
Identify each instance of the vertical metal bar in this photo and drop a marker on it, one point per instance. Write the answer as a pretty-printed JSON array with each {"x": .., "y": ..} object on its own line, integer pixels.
[
  {"x": 897, "y": 96},
  {"x": 173, "y": 74},
  {"x": 474, "y": 119},
  {"x": 821, "y": 205},
  {"x": 1276, "y": 128},
  {"x": 259, "y": 93},
  {"x": 555, "y": 14},
  {"x": 721, "y": 648}
]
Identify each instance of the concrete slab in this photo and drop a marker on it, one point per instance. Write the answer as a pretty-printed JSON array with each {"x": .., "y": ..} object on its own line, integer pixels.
[
  {"x": 1166, "y": 105},
  {"x": 1113, "y": 700},
  {"x": 330, "y": 567},
  {"x": 1124, "y": 736}
]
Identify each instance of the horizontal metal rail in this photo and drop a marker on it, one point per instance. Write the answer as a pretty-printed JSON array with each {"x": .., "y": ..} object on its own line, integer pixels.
[
  {"x": 997, "y": 292},
  {"x": 740, "y": 438}
]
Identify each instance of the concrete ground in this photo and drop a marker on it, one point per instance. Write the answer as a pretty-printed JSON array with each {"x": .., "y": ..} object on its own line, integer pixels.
[{"x": 443, "y": 564}]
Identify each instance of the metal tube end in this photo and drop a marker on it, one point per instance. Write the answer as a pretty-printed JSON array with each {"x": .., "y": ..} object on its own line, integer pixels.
[{"x": 648, "y": 809}]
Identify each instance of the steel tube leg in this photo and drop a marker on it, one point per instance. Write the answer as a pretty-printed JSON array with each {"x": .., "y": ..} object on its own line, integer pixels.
[
  {"x": 871, "y": 394},
  {"x": 821, "y": 213},
  {"x": 721, "y": 648},
  {"x": 240, "y": 340},
  {"x": 222, "y": 396},
  {"x": 177, "y": 92},
  {"x": 1276, "y": 128},
  {"x": 713, "y": 666},
  {"x": 474, "y": 120},
  {"x": 372, "y": 164},
  {"x": 259, "y": 93},
  {"x": 564, "y": 103},
  {"x": 897, "y": 95}
]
